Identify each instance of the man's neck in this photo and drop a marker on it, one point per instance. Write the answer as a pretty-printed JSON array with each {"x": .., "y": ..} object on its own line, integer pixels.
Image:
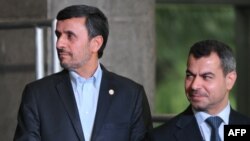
[{"x": 88, "y": 69}]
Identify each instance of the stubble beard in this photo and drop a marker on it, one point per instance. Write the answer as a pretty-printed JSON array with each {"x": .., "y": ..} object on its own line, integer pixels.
[
  {"x": 198, "y": 105},
  {"x": 74, "y": 65}
]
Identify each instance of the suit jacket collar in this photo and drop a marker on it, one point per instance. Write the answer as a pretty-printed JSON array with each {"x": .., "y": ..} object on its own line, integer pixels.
[
  {"x": 65, "y": 91},
  {"x": 233, "y": 118},
  {"x": 188, "y": 128},
  {"x": 66, "y": 94},
  {"x": 104, "y": 101}
]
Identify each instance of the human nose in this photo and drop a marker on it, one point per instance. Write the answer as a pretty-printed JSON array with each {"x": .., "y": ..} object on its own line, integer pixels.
[
  {"x": 196, "y": 83},
  {"x": 60, "y": 43}
]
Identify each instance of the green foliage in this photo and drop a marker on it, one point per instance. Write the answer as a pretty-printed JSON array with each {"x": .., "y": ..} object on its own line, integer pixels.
[{"x": 177, "y": 28}]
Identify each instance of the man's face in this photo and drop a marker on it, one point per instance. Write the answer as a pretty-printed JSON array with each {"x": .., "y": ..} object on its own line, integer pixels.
[
  {"x": 73, "y": 43},
  {"x": 207, "y": 88}
]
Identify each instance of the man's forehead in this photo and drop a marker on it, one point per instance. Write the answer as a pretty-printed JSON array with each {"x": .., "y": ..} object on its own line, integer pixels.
[
  {"x": 204, "y": 64},
  {"x": 81, "y": 20}
]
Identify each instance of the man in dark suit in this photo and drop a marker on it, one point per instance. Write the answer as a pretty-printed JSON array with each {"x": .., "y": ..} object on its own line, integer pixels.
[
  {"x": 84, "y": 102},
  {"x": 210, "y": 75}
]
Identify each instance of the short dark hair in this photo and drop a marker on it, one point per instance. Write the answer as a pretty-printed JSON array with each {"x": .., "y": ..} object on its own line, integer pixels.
[
  {"x": 96, "y": 21},
  {"x": 224, "y": 52}
]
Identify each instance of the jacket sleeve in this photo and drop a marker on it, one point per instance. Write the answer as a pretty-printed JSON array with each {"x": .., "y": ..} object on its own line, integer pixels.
[
  {"x": 28, "y": 126},
  {"x": 141, "y": 119}
]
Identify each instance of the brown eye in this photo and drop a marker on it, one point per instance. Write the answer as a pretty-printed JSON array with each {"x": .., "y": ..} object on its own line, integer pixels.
[
  {"x": 189, "y": 76},
  {"x": 207, "y": 77},
  {"x": 70, "y": 35}
]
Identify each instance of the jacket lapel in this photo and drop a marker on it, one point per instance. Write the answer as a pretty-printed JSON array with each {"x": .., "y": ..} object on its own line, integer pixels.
[
  {"x": 188, "y": 127},
  {"x": 233, "y": 118},
  {"x": 104, "y": 102},
  {"x": 66, "y": 93}
]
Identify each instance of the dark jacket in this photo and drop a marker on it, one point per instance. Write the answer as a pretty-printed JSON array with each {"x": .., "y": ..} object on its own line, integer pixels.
[
  {"x": 48, "y": 111},
  {"x": 184, "y": 127}
]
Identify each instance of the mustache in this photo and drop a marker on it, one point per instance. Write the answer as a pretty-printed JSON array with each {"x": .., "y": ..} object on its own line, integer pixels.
[
  {"x": 62, "y": 51},
  {"x": 197, "y": 93}
]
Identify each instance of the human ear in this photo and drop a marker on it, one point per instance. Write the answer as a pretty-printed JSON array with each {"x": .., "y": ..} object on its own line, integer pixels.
[
  {"x": 230, "y": 79},
  {"x": 96, "y": 43}
]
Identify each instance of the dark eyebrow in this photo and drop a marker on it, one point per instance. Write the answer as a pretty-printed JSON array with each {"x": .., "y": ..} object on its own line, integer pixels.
[
  {"x": 189, "y": 72},
  {"x": 207, "y": 73},
  {"x": 69, "y": 32}
]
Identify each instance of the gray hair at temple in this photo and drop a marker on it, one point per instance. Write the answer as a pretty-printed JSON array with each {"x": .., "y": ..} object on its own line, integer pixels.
[{"x": 206, "y": 47}]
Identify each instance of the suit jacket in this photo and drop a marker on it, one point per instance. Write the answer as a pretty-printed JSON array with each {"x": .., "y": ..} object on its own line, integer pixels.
[
  {"x": 48, "y": 111},
  {"x": 184, "y": 127}
]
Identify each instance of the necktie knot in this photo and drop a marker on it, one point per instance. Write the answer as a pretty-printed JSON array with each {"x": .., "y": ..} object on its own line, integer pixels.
[{"x": 214, "y": 122}]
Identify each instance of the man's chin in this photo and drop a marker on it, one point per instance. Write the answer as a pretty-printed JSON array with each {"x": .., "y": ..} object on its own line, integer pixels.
[
  {"x": 68, "y": 66},
  {"x": 198, "y": 107},
  {"x": 65, "y": 66}
]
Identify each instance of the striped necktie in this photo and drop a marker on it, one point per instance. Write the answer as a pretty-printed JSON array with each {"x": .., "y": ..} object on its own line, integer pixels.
[{"x": 214, "y": 123}]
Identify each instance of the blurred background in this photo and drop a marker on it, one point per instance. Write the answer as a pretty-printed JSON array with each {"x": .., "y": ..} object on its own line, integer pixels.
[
  {"x": 177, "y": 28},
  {"x": 149, "y": 42}
]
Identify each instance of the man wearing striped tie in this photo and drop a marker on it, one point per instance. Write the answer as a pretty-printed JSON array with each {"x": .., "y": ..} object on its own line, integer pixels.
[{"x": 210, "y": 75}]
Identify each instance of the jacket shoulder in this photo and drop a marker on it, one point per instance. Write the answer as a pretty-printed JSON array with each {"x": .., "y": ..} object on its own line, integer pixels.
[
  {"x": 182, "y": 122},
  {"x": 238, "y": 118},
  {"x": 121, "y": 80},
  {"x": 48, "y": 81}
]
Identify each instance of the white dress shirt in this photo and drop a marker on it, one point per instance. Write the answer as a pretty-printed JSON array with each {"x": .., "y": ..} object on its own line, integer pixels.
[
  {"x": 86, "y": 92},
  {"x": 205, "y": 129}
]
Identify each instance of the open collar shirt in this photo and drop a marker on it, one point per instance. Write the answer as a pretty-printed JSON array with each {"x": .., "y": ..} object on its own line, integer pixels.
[{"x": 86, "y": 92}]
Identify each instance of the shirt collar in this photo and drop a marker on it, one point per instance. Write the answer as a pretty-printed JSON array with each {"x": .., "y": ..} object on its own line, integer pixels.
[
  {"x": 76, "y": 78},
  {"x": 202, "y": 116}
]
